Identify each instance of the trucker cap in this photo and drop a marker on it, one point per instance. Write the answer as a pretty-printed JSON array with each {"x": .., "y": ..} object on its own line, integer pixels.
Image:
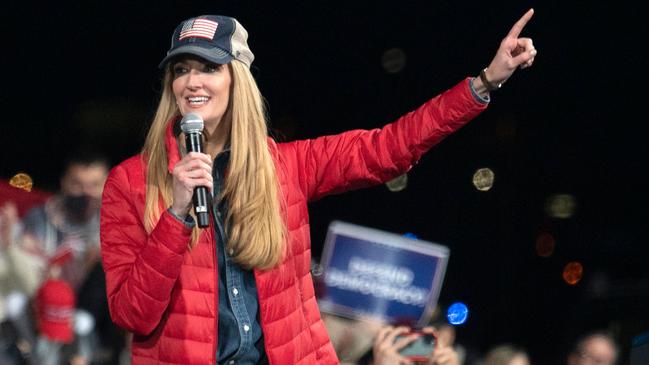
[{"x": 216, "y": 38}]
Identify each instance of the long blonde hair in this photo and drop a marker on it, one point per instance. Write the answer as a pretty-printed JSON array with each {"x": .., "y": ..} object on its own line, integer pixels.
[{"x": 255, "y": 229}]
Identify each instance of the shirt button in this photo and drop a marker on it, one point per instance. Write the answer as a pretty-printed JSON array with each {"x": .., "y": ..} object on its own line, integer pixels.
[
  {"x": 230, "y": 252},
  {"x": 246, "y": 327},
  {"x": 235, "y": 291},
  {"x": 231, "y": 362}
]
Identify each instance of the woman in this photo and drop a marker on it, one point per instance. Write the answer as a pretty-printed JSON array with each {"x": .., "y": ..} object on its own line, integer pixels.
[{"x": 240, "y": 290}]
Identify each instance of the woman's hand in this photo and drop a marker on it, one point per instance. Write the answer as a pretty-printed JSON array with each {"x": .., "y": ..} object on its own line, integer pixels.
[
  {"x": 386, "y": 349},
  {"x": 514, "y": 52},
  {"x": 195, "y": 169}
]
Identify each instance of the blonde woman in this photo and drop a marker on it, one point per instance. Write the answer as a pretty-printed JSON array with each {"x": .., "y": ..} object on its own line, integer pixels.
[{"x": 240, "y": 290}]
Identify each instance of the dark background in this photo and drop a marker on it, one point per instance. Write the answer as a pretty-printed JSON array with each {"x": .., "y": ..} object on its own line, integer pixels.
[{"x": 84, "y": 74}]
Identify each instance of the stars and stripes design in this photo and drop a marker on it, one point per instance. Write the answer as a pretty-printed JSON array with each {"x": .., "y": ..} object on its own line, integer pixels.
[{"x": 201, "y": 28}]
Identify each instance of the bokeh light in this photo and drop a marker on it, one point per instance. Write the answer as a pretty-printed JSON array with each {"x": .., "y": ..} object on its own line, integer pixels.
[
  {"x": 457, "y": 313},
  {"x": 393, "y": 60},
  {"x": 411, "y": 235},
  {"x": 561, "y": 206},
  {"x": 483, "y": 179},
  {"x": 545, "y": 244},
  {"x": 22, "y": 181},
  {"x": 573, "y": 272},
  {"x": 398, "y": 183}
]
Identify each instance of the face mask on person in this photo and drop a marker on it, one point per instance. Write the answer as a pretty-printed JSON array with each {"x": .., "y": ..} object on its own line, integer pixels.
[{"x": 79, "y": 208}]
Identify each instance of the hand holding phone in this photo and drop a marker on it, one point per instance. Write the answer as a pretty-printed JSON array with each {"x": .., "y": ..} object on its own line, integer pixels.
[
  {"x": 420, "y": 349},
  {"x": 385, "y": 348}
]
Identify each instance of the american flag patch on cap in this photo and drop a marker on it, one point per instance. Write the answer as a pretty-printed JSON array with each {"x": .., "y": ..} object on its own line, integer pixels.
[{"x": 201, "y": 28}]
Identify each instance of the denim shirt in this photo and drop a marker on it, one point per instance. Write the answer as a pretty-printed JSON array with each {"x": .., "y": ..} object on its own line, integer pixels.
[{"x": 240, "y": 337}]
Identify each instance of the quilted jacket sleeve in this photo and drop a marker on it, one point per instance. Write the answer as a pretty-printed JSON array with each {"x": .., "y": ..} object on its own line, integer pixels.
[
  {"x": 359, "y": 158},
  {"x": 141, "y": 269}
]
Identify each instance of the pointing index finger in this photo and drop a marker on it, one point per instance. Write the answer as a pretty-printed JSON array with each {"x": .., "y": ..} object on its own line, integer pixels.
[{"x": 520, "y": 24}]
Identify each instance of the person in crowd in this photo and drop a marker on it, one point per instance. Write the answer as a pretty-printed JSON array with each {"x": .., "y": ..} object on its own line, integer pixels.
[
  {"x": 68, "y": 223},
  {"x": 367, "y": 341},
  {"x": 352, "y": 339},
  {"x": 55, "y": 246},
  {"x": 390, "y": 343},
  {"x": 594, "y": 348},
  {"x": 240, "y": 290},
  {"x": 506, "y": 355},
  {"x": 54, "y": 308}
]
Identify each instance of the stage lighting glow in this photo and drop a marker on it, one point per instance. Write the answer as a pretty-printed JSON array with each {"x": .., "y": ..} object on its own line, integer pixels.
[
  {"x": 411, "y": 235},
  {"x": 561, "y": 206},
  {"x": 457, "y": 313},
  {"x": 393, "y": 60},
  {"x": 398, "y": 183},
  {"x": 22, "y": 181},
  {"x": 573, "y": 272},
  {"x": 545, "y": 244},
  {"x": 483, "y": 179}
]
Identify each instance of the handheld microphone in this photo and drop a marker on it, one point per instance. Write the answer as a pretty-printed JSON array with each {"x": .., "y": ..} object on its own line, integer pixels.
[{"x": 192, "y": 126}]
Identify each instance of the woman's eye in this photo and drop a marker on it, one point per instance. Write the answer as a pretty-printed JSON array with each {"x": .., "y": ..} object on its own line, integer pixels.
[
  {"x": 211, "y": 68},
  {"x": 179, "y": 70}
]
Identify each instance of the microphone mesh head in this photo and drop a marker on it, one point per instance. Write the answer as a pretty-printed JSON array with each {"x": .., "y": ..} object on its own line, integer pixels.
[{"x": 191, "y": 123}]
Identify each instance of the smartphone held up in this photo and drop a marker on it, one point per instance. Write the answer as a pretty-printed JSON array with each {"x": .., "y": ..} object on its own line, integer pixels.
[{"x": 420, "y": 349}]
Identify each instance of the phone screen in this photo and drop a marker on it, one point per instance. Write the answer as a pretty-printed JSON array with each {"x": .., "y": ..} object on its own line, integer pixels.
[{"x": 423, "y": 346}]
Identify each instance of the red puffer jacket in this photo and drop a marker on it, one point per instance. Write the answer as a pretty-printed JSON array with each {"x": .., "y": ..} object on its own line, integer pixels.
[{"x": 167, "y": 295}]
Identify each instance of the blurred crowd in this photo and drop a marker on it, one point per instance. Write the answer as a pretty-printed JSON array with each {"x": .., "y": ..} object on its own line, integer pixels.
[
  {"x": 53, "y": 307},
  {"x": 363, "y": 342}
]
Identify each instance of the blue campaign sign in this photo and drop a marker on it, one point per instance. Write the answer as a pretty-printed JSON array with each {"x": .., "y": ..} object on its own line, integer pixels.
[
  {"x": 371, "y": 273},
  {"x": 640, "y": 349}
]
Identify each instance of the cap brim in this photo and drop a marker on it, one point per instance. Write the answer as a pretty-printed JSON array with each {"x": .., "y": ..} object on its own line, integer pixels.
[{"x": 215, "y": 55}]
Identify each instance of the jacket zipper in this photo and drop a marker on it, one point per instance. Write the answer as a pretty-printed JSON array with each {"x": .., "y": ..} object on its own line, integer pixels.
[{"x": 216, "y": 297}]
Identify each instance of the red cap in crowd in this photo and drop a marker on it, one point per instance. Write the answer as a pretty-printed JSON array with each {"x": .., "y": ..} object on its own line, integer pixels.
[{"x": 55, "y": 303}]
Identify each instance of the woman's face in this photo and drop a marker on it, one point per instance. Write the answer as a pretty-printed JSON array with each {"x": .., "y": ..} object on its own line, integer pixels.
[{"x": 201, "y": 87}]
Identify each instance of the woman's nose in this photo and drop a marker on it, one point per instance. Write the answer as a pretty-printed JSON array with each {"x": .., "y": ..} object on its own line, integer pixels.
[{"x": 194, "y": 80}]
